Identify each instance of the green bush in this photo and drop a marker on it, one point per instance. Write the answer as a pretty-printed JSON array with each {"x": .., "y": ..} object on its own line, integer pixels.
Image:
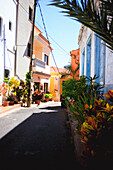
[
  {"x": 50, "y": 96},
  {"x": 46, "y": 95},
  {"x": 78, "y": 93}
]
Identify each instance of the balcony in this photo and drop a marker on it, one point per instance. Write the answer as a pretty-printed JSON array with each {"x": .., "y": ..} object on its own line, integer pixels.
[
  {"x": 38, "y": 63},
  {"x": 40, "y": 66}
]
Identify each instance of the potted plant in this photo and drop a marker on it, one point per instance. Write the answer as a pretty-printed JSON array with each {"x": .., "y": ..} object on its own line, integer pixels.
[
  {"x": 50, "y": 97},
  {"x": 13, "y": 85},
  {"x": 4, "y": 93},
  {"x": 24, "y": 101},
  {"x": 46, "y": 97},
  {"x": 38, "y": 96},
  {"x": 24, "y": 95},
  {"x": 11, "y": 99}
]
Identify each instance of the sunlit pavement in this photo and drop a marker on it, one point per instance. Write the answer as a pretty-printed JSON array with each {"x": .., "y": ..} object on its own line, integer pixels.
[{"x": 37, "y": 138}]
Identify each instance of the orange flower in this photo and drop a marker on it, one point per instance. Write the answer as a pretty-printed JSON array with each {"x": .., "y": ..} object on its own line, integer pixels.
[
  {"x": 86, "y": 106},
  {"x": 3, "y": 84},
  {"x": 110, "y": 95}
]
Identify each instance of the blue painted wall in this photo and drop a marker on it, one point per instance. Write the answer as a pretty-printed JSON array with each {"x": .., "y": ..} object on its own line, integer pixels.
[
  {"x": 88, "y": 58},
  {"x": 82, "y": 62},
  {"x": 97, "y": 58}
]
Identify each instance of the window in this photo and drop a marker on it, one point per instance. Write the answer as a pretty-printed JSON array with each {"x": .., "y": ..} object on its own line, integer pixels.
[
  {"x": 28, "y": 49},
  {"x": 46, "y": 59},
  {"x": 0, "y": 26},
  {"x": 97, "y": 58},
  {"x": 30, "y": 14},
  {"x": 82, "y": 62},
  {"x": 102, "y": 62},
  {"x": 10, "y": 25},
  {"x": 45, "y": 87},
  {"x": 88, "y": 58},
  {"x": 6, "y": 73}
]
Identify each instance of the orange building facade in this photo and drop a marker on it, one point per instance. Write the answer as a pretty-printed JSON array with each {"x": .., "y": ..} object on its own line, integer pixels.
[
  {"x": 56, "y": 82},
  {"x": 75, "y": 60},
  {"x": 41, "y": 64}
]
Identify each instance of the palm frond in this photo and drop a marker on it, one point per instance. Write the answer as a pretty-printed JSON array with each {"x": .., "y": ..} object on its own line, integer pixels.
[{"x": 99, "y": 18}]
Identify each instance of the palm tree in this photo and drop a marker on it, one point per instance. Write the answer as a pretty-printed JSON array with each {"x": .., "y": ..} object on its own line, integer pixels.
[
  {"x": 94, "y": 14},
  {"x": 71, "y": 71}
]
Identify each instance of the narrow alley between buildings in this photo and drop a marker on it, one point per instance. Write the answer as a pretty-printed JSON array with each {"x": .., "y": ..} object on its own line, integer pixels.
[{"x": 40, "y": 140}]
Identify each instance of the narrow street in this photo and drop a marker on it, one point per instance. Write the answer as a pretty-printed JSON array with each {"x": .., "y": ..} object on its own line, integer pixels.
[{"x": 36, "y": 138}]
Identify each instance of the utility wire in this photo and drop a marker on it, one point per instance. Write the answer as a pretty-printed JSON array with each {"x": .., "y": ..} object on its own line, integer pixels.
[
  {"x": 47, "y": 36},
  {"x": 43, "y": 29},
  {"x": 54, "y": 40}
]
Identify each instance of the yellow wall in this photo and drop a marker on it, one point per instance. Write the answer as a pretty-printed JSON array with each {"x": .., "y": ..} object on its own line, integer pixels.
[
  {"x": 52, "y": 86},
  {"x": 61, "y": 81}
]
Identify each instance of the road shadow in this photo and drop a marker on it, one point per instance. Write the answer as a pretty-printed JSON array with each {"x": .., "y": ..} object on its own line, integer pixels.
[
  {"x": 41, "y": 142},
  {"x": 51, "y": 108}
]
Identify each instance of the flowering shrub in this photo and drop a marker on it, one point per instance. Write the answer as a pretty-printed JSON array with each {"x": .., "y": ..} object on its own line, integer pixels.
[
  {"x": 97, "y": 118},
  {"x": 13, "y": 85},
  {"x": 94, "y": 116},
  {"x": 97, "y": 128},
  {"x": 110, "y": 95},
  {"x": 3, "y": 89},
  {"x": 79, "y": 93},
  {"x": 37, "y": 95}
]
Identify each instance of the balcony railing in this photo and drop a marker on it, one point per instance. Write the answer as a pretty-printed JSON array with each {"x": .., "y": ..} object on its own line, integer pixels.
[{"x": 39, "y": 63}]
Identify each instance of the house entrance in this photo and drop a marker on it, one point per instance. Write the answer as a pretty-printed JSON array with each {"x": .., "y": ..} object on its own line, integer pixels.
[{"x": 45, "y": 87}]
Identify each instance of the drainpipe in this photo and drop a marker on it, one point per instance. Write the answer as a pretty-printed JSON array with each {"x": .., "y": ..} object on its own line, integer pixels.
[
  {"x": 4, "y": 48},
  {"x": 16, "y": 38},
  {"x": 31, "y": 54}
]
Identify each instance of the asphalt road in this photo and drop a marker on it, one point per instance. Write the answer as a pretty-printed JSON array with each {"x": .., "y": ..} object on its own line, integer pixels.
[{"x": 36, "y": 138}]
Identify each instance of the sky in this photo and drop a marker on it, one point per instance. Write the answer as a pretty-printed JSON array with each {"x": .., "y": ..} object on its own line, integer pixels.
[{"x": 61, "y": 29}]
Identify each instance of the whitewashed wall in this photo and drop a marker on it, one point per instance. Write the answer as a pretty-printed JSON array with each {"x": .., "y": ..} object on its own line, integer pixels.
[
  {"x": 85, "y": 33},
  {"x": 7, "y": 13},
  {"x": 83, "y": 45},
  {"x": 23, "y": 36}
]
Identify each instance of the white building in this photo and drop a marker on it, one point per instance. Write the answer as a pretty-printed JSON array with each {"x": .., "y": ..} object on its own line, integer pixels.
[
  {"x": 95, "y": 58},
  {"x": 7, "y": 37},
  {"x": 24, "y": 28},
  {"x": 41, "y": 65}
]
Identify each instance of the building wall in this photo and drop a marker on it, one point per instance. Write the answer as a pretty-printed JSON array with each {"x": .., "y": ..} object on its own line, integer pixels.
[
  {"x": 56, "y": 83},
  {"x": 108, "y": 70},
  {"x": 55, "y": 86},
  {"x": 86, "y": 34},
  {"x": 40, "y": 48},
  {"x": 75, "y": 58},
  {"x": 8, "y": 14},
  {"x": 24, "y": 28},
  {"x": 101, "y": 58}
]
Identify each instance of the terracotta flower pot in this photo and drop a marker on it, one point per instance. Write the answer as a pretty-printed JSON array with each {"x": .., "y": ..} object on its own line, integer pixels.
[
  {"x": 5, "y": 103},
  {"x": 11, "y": 102},
  {"x": 47, "y": 99},
  {"x": 37, "y": 102}
]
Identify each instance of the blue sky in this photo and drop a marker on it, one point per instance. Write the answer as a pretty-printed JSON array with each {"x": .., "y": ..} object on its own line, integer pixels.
[{"x": 62, "y": 29}]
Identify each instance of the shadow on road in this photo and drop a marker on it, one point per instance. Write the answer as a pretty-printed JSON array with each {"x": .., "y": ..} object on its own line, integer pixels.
[
  {"x": 40, "y": 142},
  {"x": 52, "y": 108}
]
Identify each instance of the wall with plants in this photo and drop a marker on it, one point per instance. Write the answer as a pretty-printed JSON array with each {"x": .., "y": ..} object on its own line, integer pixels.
[{"x": 93, "y": 112}]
